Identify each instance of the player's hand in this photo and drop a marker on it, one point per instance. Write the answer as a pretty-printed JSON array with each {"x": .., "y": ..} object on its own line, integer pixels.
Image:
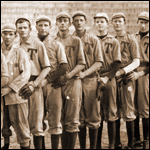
[
  {"x": 133, "y": 76},
  {"x": 104, "y": 79},
  {"x": 81, "y": 75},
  {"x": 27, "y": 90},
  {"x": 43, "y": 83},
  {"x": 60, "y": 82},
  {"x": 120, "y": 72},
  {"x": 5, "y": 91}
]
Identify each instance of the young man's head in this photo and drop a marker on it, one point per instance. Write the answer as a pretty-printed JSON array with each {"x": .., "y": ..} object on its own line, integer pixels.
[
  {"x": 101, "y": 21},
  {"x": 23, "y": 26},
  {"x": 79, "y": 20},
  {"x": 143, "y": 22},
  {"x": 8, "y": 33},
  {"x": 43, "y": 25},
  {"x": 118, "y": 21},
  {"x": 63, "y": 21}
]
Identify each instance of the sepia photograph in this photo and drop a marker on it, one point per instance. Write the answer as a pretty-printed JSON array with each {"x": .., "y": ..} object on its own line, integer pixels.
[{"x": 74, "y": 74}]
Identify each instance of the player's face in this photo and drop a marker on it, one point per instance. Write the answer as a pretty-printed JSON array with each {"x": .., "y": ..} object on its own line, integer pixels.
[
  {"x": 118, "y": 24},
  {"x": 63, "y": 24},
  {"x": 8, "y": 37},
  {"x": 79, "y": 23},
  {"x": 100, "y": 24},
  {"x": 143, "y": 25},
  {"x": 23, "y": 29},
  {"x": 43, "y": 28}
]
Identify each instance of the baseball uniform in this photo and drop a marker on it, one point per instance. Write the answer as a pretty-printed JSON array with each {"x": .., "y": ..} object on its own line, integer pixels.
[
  {"x": 4, "y": 75},
  {"x": 72, "y": 92},
  {"x": 90, "y": 109},
  {"x": 19, "y": 74},
  {"x": 129, "y": 51},
  {"x": 111, "y": 53},
  {"x": 143, "y": 82},
  {"x": 38, "y": 60},
  {"x": 57, "y": 56}
]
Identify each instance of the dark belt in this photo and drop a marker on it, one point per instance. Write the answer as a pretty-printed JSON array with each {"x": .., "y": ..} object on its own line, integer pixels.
[{"x": 32, "y": 78}]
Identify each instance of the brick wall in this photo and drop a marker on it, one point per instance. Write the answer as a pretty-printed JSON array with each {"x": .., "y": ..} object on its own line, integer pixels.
[{"x": 11, "y": 10}]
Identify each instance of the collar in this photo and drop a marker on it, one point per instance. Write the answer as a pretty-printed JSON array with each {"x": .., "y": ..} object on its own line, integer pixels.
[
  {"x": 84, "y": 33},
  {"x": 123, "y": 34},
  {"x": 107, "y": 36},
  {"x": 4, "y": 47},
  {"x": 43, "y": 38},
  {"x": 137, "y": 33},
  {"x": 64, "y": 35},
  {"x": 28, "y": 41}
]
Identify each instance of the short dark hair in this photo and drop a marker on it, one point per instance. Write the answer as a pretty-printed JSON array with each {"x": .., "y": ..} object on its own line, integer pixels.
[{"x": 21, "y": 20}]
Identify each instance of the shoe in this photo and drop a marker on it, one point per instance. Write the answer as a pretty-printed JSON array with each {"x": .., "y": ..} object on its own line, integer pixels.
[
  {"x": 128, "y": 147},
  {"x": 138, "y": 144},
  {"x": 118, "y": 146}
]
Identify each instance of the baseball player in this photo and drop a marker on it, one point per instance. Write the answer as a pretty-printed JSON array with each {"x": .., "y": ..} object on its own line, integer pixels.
[
  {"x": 4, "y": 81},
  {"x": 141, "y": 75},
  {"x": 130, "y": 60},
  {"x": 53, "y": 97},
  {"x": 112, "y": 60},
  {"x": 89, "y": 113},
  {"x": 40, "y": 67},
  {"x": 72, "y": 90},
  {"x": 16, "y": 108}
]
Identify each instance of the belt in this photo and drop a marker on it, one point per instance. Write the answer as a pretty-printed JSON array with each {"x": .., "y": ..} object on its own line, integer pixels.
[{"x": 32, "y": 78}]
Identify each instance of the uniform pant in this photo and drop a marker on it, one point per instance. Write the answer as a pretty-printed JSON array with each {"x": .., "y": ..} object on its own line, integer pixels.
[
  {"x": 127, "y": 101},
  {"x": 53, "y": 104},
  {"x": 2, "y": 112},
  {"x": 143, "y": 95},
  {"x": 72, "y": 96},
  {"x": 36, "y": 112},
  {"x": 17, "y": 116},
  {"x": 90, "y": 108},
  {"x": 108, "y": 102}
]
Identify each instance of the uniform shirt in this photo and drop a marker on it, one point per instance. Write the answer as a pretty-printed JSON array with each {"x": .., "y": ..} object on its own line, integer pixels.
[
  {"x": 92, "y": 50},
  {"x": 37, "y": 55},
  {"x": 19, "y": 72},
  {"x": 143, "y": 47},
  {"x": 4, "y": 68},
  {"x": 55, "y": 51},
  {"x": 111, "y": 52},
  {"x": 129, "y": 49},
  {"x": 73, "y": 49}
]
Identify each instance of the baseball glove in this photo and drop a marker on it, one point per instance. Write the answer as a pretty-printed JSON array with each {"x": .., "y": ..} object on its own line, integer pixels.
[
  {"x": 100, "y": 89},
  {"x": 60, "y": 82},
  {"x": 26, "y": 91}
]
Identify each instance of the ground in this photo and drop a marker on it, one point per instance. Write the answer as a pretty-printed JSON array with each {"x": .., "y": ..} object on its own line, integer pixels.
[{"x": 15, "y": 145}]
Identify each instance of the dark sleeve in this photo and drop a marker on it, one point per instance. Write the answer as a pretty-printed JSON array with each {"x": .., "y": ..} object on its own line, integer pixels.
[
  {"x": 146, "y": 71},
  {"x": 61, "y": 70},
  {"x": 115, "y": 67}
]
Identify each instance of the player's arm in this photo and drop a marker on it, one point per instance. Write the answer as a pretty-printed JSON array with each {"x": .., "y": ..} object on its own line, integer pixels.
[
  {"x": 22, "y": 79},
  {"x": 98, "y": 59},
  {"x": 134, "y": 50},
  {"x": 4, "y": 71},
  {"x": 62, "y": 61}
]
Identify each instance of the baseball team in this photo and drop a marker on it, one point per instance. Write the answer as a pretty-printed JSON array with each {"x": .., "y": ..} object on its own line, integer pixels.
[{"x": 76, "y": 81}]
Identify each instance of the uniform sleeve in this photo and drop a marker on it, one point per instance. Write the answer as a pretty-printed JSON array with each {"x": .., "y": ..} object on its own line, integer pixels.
[
  {"x": 25, "y": 70},
  {"x": 61, "y": 53},
  {"x": 4, "y": 67},
  {"x": 116, "y": 51},
  {"x": 134, "y": 48},
  {"x": 116, "y": 59},
  {"x": 98, "y": 51},
  {"x": 80, "y": 55},
  {"x": 43, "y": 57}
]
